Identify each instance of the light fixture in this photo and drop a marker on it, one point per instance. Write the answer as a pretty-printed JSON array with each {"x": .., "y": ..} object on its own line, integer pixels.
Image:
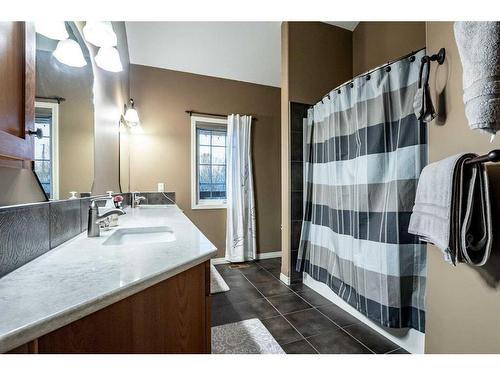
[
  {"x": 108, "y": 59},
  {"x": 52, "y": 29},
  {"x": 100, "y": 33},
  {"x": 70, "y": 53},
  {"x": 131, "y": 117}
]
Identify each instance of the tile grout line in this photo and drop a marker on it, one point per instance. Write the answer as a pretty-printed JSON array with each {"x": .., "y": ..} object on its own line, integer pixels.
[
  {"x": 280, "y": 314},
  {"x": 314, "y": 307},
  {"x": 346, "y": 331}
]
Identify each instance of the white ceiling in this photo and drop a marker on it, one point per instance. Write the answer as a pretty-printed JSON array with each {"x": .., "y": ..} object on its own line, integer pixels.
[
  {"x": 349, "y": 25},
  {"x": 243, "y": 51}
]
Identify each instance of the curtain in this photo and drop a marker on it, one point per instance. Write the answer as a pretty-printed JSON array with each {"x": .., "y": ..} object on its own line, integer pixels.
[
  {"x": 364, "y": 151},
  {"x": 240, "y": 228}
]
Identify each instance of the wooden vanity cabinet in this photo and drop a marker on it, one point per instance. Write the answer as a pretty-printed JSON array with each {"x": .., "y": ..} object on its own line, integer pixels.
[
  {"x": 17, "y": 93},
  {"x": 172, "y": 316}
]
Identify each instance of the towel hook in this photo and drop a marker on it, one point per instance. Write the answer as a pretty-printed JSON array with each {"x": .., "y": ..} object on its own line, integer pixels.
[{"x": 439, "y": 57}]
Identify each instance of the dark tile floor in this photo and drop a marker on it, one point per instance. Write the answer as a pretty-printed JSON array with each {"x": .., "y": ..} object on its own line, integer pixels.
[{"x": 301, "y": 320}]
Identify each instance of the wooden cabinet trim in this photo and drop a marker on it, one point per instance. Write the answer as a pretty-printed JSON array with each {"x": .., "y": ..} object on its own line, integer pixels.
[{"x": 20, "y": 146}]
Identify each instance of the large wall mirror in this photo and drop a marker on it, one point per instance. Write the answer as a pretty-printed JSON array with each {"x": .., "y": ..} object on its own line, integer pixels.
[{"x": 64, "y": 111}]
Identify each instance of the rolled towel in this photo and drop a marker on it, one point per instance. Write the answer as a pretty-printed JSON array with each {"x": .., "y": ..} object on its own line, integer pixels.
[
  {"x": 452, "y": 210},
  {"x": 479, "y": 47}
]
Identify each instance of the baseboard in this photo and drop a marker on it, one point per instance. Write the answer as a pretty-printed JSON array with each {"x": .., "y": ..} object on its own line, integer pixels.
[
  {"x": 274, "y": 254},
  {"x": 411, "y": 340},
  {"x": 216, "y": 261},
  {"x": 285, "y": 279}
]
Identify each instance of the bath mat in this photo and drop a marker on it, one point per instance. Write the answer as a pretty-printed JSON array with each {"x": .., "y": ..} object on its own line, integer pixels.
[
  {"x": 245, "y": 337},
  {"x": 217, "y": 283}
]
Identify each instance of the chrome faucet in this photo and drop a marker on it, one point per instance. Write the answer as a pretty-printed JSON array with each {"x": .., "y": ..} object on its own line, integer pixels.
[
  {"x": 96, "y": 220},
  {"x": 136, "y": 199}
]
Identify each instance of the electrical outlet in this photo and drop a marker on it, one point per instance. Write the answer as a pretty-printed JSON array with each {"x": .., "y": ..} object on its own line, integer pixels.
[{"x": 161, "y": 186}]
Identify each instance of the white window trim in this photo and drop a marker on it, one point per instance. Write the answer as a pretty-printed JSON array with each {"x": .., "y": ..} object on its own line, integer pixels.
[
  {"x": 205, "y": 204},
  {"x": 55, "y": 145}
]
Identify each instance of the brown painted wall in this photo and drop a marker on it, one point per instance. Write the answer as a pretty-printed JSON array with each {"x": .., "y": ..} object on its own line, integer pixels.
[
  {"x": 315, "y": 57},
  {"x": 162, "y": 152},
  {"x": 375, "y": 43},
  {"x": 319, "y": 58},
  {"x": 463, "y": 303}
]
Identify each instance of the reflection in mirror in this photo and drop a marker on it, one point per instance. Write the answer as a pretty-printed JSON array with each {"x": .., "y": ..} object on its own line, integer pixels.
[{"x": 64, "y": 110}]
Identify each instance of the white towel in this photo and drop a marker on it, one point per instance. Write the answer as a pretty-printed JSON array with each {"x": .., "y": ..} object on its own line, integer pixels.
[
  {"x": 479, "y": 47},
  {"x": 452, "y": 210}
]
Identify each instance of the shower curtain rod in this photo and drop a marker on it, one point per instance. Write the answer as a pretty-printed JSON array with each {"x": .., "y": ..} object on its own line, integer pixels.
[
  {"x": 390, "y": 62},
  {"x": 191, "y": 112}
]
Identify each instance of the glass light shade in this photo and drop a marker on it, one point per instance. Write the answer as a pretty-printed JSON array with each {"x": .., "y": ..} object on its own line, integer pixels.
[
  {"x": 70, "y": 53},
  {"x": 131, "y": 116},
  {"x": 52, "y": 29},
  {"x": 100, "y": 33},
  {"x": 108, "y": 59}
]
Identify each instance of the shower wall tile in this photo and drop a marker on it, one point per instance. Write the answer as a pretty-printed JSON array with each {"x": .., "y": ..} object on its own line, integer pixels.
[
  {"x": 65, "y": 221},
  {"x": 297, "y": 205},
  {"x": 295, "y": 230},
  {"x": 298, "y": 111},
  {"x": 297, "y": 149},
  {"x": 24, "y": 235},
  {"x": 297, "y": 183}
]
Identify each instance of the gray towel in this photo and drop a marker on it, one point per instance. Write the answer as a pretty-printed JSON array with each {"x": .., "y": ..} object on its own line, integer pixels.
[
  {"x": 452, "y": 210},
  {"x": 479, "y": 47}
]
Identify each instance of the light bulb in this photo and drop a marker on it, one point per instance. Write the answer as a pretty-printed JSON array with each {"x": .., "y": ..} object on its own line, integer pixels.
[
  {"x": 131, "y": 116},
  {"x": 52, "y": 29},
  {"x": 100, "y": 33},
  {"x": 108, "y": 59},
  {"x": 70, "y": 53}
]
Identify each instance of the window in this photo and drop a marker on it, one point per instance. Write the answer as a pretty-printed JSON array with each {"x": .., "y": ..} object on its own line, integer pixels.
[
  {"x": 208, "y": 162},
  {"x": 45, "y": 164}
]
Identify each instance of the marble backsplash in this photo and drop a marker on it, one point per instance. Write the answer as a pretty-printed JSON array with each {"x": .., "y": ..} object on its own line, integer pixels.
[{"x": 30, "y": 230}]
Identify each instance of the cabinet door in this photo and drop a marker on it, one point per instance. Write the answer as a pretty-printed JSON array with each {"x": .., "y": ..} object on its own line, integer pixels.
[{"x": 17, "y": 91}]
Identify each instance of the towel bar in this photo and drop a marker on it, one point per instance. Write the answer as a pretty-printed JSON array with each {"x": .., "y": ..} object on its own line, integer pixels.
[{"x": 492, "y": 156}]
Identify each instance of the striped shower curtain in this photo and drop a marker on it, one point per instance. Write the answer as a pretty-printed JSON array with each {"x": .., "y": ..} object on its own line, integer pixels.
[{"x": 364, "y": 151}]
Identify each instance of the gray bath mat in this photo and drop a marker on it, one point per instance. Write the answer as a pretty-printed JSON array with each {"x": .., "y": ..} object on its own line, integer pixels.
[
  {"x": 217, "y": 283},
  {"x": 245, "y": 337}
]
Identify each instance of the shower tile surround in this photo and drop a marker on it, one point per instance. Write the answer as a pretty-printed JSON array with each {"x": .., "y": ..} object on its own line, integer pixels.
[
  {"x": 298, "y": 111},
  {"x": 30, "y": 230}
]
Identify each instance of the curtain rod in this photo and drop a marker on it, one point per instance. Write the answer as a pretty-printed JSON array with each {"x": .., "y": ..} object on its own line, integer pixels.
[
  {"x": 191, "y": 112},
  {"x": 58, "y": 99},
  {"x": 390, "y": 62}
]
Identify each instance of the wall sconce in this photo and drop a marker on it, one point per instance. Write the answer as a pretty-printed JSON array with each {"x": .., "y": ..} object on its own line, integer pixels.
[
  {"x": 53, "y": 30},
  {"x": 108, "y": 58},
  {"x": 70, "y": 53},
  {"x": 102, "y": 35},
  {"x": 131, "y": 117}
]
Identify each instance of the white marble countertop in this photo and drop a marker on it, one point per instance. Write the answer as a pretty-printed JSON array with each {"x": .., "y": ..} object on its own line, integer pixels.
[{"x": 82, "y": 276}]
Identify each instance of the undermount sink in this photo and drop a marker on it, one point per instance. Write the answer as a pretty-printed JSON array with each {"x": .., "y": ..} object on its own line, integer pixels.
[{"x": 135, "y": 236}]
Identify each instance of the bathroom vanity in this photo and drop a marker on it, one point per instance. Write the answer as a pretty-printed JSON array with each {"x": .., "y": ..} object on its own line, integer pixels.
[{"x": 141, "y": 287}]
